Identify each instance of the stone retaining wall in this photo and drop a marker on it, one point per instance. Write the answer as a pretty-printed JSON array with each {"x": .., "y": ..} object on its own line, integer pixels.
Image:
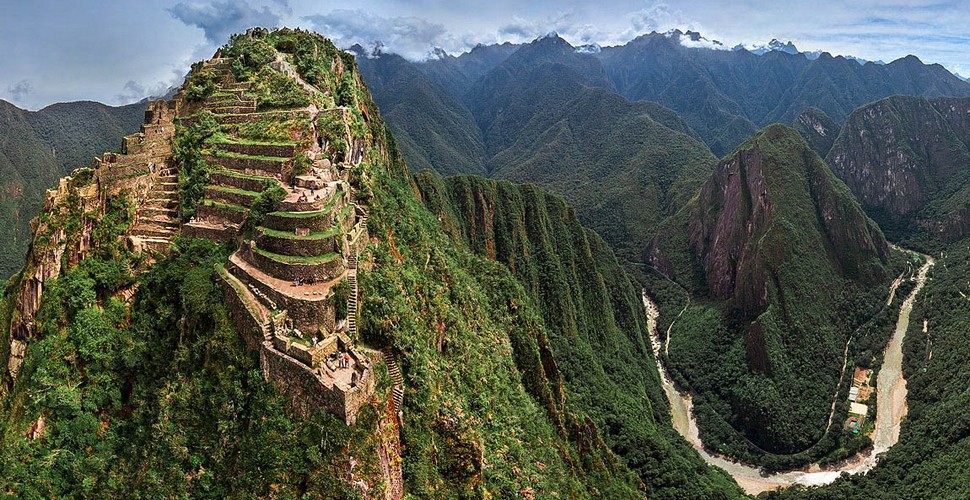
[
  {"x": 301, "y": 247},
  {"x": 281, "y": 151},
  {"x": 310, "y": 314},
  {"x": 228, "y": 197},
  {"x": 240, "y": 109},
  {"x": 248, "y": 164},
  {"x": 243, "y": 183},
  {"x": 315, "y": 224},
  {"x": 212, "y": 233},
  {"x": 303, "y": 206},
  {"x": 246, "y": 324},
  {"x": 323, "y": 271},
  {"x": 210, "y": 213}
]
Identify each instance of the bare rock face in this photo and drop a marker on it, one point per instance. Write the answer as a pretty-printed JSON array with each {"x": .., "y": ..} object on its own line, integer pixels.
[
  {"x": 903, "y": 155},
  {"x": 733, "y": 206},
  {"x": 818, "y": 130},
  {"x": 772, "y": 186}
]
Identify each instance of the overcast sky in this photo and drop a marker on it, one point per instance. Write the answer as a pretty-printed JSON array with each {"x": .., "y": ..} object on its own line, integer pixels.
[{"x": 118, "y": 51}]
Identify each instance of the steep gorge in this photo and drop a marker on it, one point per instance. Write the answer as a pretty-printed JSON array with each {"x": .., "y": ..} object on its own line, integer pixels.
[{"x": 780, "y": 263}]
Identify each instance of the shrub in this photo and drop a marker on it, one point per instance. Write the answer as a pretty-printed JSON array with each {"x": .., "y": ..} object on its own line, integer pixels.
[{"x": 276, "y": 90}]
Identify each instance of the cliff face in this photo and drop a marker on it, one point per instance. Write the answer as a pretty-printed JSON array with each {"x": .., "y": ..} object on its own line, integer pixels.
[
  {"x": 905, "y": 160},
  {"x": 769, "y": 248},
  {"x": 753, "y": 198},
  {"x": 818, "y": 130}
]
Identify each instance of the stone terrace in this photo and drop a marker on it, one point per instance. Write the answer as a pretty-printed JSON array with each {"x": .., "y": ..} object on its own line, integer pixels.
[{"x": 281, "y": 282}]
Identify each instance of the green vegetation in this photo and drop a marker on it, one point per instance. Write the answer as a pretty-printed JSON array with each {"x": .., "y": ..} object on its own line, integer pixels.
[
  {"x": 311, "y": 236},
  {"x": 298, "y": 259},
  {"x": 301, "y": 165},
  {"x": 625, "y": 166},
  {"x": 159, "y": 398},
  {"x": 217, "y": 204},
  {"x": 274, "y": 90},
  {"x": 929, "y": 459},
  {"x": 595, "y": 327},
  {"x": 266, "y": 202},
  {"x": 39, "y": 147},
  {"x": 251, "y": 56},
  {"x": 233, "y": 190},
  {"x": 760, "y": 344},
  {"x": 818, "y": 130},
  {"x": 193, "y": 169},
  {"x": 271, "y": 130},
  {"x": 341, "y": 294},
  {"x": 201, "y": 84},
  {"x": 920, "y": 148}
]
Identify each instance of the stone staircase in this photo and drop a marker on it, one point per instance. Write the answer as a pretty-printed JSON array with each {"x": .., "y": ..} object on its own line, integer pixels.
[
  {"x": 396, "y": 376},
  {"x": 352, "y": 304},
  {"x": 156, "y": 223}
]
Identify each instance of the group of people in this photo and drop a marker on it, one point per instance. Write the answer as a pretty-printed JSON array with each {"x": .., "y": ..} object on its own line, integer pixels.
[
  {"x": 343, "y": 360},
  {"x": 305, "y": 281}
]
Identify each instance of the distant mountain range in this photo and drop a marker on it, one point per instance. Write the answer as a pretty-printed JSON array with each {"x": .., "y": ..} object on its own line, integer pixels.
[{"x": 724, "y": 95}]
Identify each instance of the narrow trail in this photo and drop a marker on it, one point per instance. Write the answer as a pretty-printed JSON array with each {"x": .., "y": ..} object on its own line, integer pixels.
[{"x": 890, "y": 411}]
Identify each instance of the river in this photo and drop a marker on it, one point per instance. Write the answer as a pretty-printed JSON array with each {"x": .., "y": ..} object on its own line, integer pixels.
[{"x": 890, "y": 411}]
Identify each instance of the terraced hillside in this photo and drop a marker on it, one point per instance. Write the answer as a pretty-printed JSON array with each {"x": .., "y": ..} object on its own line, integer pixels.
[{"x": 289, "y": 320}]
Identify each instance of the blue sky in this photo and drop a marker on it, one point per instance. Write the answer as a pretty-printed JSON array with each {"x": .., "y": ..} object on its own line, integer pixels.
[{"x": 118, "y": 51}]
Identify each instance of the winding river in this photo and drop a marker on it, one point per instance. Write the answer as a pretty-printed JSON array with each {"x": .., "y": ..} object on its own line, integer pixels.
[{"x": 890, "y": 411}]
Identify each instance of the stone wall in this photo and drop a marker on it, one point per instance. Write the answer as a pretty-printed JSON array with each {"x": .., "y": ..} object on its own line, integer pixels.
[
  {"x": 249, "y": 164},
  {"x": 229, "y": 197},
  {"x": 320, "y": 271},
  {"x": 244, "y": 183},
  {"x": 300, "y": 246},
  {"x": 219, "y": 214},
  {"x": 315, "y": 224},
  {"x": 245, "y": 322},
  {"x": 309, "y": 313},
  {"x": 280, "y": 150},
  {"x": 220, "y": 234}
]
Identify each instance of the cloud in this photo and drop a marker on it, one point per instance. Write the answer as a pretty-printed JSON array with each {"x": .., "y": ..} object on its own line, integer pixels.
[
  {"x": 132, "y": 91},
  {"x": 411, "y": 37},
  {"x": 19, "y": 91},
  {"x": 220, "y": 19}
]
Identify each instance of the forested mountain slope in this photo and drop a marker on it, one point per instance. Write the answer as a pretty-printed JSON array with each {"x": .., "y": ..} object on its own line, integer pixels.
[
  {"x": 929, "y": 461},
  {"x": 725, "y": 95},
  {"x": 436, "y": 129},
  {"x": 906, "y": 160},
  {"x": 781, "y": 264},
  {"x": 818, "y": 130},
  {"x": 545, "y": 119},
  {"x": 37, "y": 148},
  {"x": 594, "y": 315}
]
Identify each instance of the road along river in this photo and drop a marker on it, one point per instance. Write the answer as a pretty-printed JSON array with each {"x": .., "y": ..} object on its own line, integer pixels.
[{"x": 891, "y": 409}]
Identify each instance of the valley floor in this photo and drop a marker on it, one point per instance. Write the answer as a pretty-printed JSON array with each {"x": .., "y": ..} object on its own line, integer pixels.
[{"x": 891, "y": 389}]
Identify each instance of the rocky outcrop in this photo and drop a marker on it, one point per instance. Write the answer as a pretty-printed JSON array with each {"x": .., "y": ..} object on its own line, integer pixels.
[
  {"x": 769, "y": 249},
  {"x": 818, "y": 130},
  {"x": 135, "y": 174}
]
